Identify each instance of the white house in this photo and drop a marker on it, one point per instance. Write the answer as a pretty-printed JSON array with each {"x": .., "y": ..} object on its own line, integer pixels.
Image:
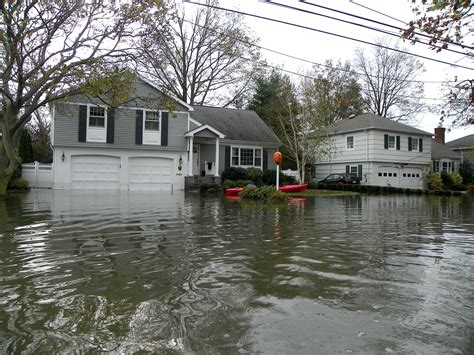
[{"x": 380, "y": 151}]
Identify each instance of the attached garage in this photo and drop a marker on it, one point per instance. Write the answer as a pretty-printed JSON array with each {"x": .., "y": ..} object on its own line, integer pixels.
[
  {"x": 150, "y": 173},
  {"x": 391, "y": 175},
  {"x": 96, "y": 172}
]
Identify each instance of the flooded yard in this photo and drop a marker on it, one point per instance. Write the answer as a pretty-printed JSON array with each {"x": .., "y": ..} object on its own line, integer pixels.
[{"x": 123, "y": 273}]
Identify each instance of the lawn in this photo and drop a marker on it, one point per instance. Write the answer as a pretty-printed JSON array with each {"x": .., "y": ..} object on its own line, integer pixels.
[{"x": 317, "y": 192}]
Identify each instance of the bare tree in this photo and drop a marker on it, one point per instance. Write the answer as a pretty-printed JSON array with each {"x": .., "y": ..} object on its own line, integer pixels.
[
  {"x": 458, "y": 109},
  {"x": 335, "y": 93},
  {"x": 207, "y": 58},
  {"x": 50, "y": 48},
  {"x": 302, "y": 131},
  {"x": 390, "y": 83}
]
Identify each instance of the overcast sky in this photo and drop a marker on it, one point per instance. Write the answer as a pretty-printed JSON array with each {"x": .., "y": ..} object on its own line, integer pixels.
[{"x": 317, "y": 47}]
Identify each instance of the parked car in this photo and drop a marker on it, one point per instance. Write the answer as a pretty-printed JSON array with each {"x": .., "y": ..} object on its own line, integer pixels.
[{"x": 343, "y": 178}]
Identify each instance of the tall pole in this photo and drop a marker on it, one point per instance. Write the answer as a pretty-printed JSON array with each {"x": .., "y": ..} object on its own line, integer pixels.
[{"x": 278, "y": 177}]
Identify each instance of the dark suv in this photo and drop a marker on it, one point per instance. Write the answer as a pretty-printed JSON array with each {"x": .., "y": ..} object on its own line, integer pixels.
[{"x": 343, "y": 178}]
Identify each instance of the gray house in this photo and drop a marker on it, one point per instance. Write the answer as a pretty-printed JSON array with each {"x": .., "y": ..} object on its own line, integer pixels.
[
  {"x": 464, "y": 146},
  {"x": 153, "y": 142},
  {"x": 442, "y": 157}
]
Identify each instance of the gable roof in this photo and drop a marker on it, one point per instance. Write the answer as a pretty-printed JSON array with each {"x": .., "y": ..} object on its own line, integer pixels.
[
  {"x": 372, "y": 121},
  {"x": 463, "y": 142},
  {"x": 439, "y": 151},
  {"x": 242, "y": 125}
]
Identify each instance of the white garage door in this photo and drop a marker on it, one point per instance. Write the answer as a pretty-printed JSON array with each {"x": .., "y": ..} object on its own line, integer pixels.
[
  {"x": 95, "y": 172},
  {"x": 150, "y": 174},
  {"x": 411, "y": 178}
]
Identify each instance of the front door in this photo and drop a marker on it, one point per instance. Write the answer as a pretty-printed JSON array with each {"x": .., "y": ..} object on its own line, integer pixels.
[{"x": 196, "y": 160}]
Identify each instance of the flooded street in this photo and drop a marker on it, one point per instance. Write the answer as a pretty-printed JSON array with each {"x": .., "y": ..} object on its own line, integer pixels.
[{"x": 123, "y": 273}]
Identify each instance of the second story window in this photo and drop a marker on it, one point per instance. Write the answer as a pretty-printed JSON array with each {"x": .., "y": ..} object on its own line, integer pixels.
[
  {"x": 391, "y": 142},
  {"x": 96, "y": 116},
  {"x": 152, "y": 121},
  {"x": 350, "y": 142}
]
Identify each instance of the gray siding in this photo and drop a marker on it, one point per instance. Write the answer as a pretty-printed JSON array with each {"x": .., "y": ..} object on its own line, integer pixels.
[{"x": 66, "y": 128}]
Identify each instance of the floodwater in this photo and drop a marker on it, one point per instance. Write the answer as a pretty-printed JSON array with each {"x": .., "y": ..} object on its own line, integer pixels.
[{"x": 173, "y": 273}]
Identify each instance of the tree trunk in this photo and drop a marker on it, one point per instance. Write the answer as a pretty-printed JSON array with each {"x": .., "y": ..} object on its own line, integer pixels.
[{"x": 8, "y": 166}]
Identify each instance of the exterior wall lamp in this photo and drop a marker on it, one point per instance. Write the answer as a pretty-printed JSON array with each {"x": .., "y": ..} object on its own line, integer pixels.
[
  {"x": 63, "y": 157},
  {"x": 180, "y": 163}
]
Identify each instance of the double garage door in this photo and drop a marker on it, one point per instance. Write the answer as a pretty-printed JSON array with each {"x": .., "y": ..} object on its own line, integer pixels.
[
  {"x": 105, "y": 172},
  {"x": 406, "y": 178}
]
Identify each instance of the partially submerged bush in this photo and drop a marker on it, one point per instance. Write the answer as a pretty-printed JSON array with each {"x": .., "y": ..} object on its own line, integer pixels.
[
  {"x": 234, "y": 174},
  {"x": 434, "y": 181},
  {"x": 18, "y": 184},
  {"x": 238, "y": 183},
  {"x": 265, "y": 193}
]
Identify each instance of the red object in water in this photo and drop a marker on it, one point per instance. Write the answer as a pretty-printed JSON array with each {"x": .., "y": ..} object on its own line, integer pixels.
[
  {"x": 233, "y": 191},
  {"x": 294, "y": 188}
]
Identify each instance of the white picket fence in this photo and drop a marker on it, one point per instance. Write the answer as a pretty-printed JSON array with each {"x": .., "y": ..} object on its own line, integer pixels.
[{"x": 38, "y": 175}]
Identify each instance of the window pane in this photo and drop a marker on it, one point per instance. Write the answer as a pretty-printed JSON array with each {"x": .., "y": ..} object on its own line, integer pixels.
[
  {"x": 353, "y": 169},
  {"x": 258, "y": 161},
  {"x": 258, "y": 154},
  {"x": 235, "y": 160},
  {"x": 235, "y": 152},
  {"x": 414, "y": 144},
  {"x": 246, "y": 157},
  {"x": 96, "y": 116},
  {"x": 152, "y": 121},
  {"x": 350, "y": 142},
  {"x": 391, "y": 142}
]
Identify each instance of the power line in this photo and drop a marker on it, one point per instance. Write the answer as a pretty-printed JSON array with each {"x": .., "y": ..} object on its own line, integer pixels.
[
  {"x": 328, "y": 33},
  {"x": 309, "y": 61},
  {"x": 351, "y": 23},
  {"x": 375, "y": 21},
  {"x": 377, "y": 12}
]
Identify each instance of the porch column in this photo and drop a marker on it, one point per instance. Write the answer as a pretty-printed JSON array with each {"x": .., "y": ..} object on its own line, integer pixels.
[
  {"x": 217, "y": 157},
  {"x": 190, "y": 162}
]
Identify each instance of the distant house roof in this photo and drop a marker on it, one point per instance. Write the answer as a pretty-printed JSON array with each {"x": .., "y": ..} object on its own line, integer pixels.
[
  {"x": 372, "y": 121},
  {"x": 440, "y": 151},
  {"x": 243, "y": 125},
  {"x": 463, "y": 142}
]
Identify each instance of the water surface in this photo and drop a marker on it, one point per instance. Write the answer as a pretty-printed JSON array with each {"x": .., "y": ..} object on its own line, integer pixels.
[{"x": 124, "y": 273}]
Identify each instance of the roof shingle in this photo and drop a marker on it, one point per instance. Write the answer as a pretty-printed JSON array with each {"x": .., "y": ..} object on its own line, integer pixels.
[{"x": 244, "y": 125}]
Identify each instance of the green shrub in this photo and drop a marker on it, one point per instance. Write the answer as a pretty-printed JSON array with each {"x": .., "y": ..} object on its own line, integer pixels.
[
  {"x": 257, "y": 193},
  {"x": 456, "y": 178},
  {"x": 234, "y": 174},
  {"x": 255, "y": 175},
  {"x": 269, "y": 178},
  {"x": 434, "y": 181},
  {"x": 278, "y": 197},
  {"x": 18, "y": 184},
  {"x": 447, "y": 180},
  {"x": 238, "y": 183},
  {"x": 466, "y": 170}
]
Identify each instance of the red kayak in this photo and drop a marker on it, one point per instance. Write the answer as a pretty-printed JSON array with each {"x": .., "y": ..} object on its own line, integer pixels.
[
  {"x": 233, "y": 191},
  {"x": 294, "y": 188}
]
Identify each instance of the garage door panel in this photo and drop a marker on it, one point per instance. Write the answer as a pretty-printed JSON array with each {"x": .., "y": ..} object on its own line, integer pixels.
[
  {"x": 95, "y": 172},
  {"x": 150, "y": 173}
]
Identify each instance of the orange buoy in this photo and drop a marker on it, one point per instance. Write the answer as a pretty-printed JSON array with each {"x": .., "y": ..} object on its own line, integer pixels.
[{"x": 277, "y": 158}]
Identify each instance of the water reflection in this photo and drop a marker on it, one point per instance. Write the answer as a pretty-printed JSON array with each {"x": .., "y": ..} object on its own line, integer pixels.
[{"x": 173, "y": 273}]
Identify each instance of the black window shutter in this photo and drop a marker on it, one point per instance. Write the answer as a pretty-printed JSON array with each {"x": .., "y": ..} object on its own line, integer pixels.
[
  {"x": 420, "y": 144},
  {"x": 359, "y": 171},
  {"x": 348, "y": 169},
  {"x": 139, "y": 127},
  {"x": 82, "y": 123},
  {"x": 398, "y": 142},
  {"x": 227, "y": 157},
  {"x": 385, "y": 141},
  {"x": 265, "y": 159},
  {"x": 110, "y": 125},
  {"x": 164, "y": 129},
  {"x": 409, "y": 144}
]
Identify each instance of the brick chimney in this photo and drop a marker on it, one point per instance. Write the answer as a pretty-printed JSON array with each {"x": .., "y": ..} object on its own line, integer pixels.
[{"x": 439, "y": 134}]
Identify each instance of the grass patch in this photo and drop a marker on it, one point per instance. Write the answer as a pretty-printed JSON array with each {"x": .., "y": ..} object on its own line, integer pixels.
[{"x": 318, "y": 192}]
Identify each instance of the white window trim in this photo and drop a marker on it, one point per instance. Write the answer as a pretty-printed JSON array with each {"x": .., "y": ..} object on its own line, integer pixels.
[
  {"x": 394, "y": 142},
  {"x": 347, "y": 143},
  {"x": 158, "y": 133},
  {"x": 247, "y": 147},
  {"x": 417, "y": 144},
  {"x": 102, "y": 131}
]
